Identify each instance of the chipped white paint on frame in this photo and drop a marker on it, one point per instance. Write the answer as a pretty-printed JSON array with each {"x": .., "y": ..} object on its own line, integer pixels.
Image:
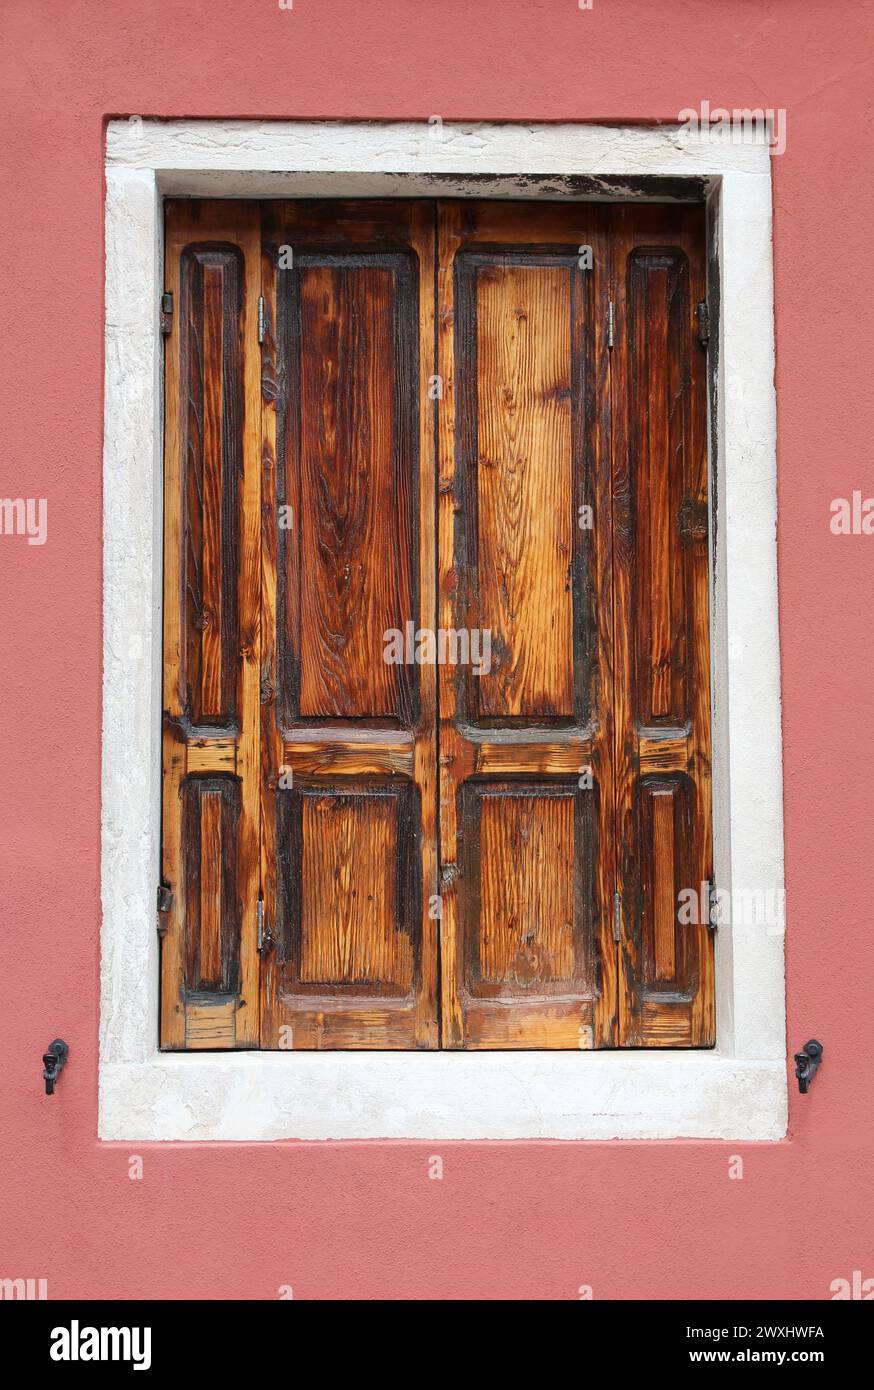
[{"x": 736, "y": 1091}]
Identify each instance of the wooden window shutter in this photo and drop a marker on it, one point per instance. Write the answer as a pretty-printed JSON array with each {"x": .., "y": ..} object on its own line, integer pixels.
[
  {"x": 526, "y": 802},
  {"x": 210, "y": 975},
  {"x": 484, "y": 421},
  {"x": 349, "y": 738},
  {"x": 661, "y": 628}
]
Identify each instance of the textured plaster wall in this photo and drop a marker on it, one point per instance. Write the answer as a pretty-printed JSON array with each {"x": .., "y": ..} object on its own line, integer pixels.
[{"x": 527, "y": 1219}]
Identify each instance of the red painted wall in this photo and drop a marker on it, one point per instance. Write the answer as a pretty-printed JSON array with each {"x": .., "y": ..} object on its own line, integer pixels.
[{"x": 648, "y": 1220}]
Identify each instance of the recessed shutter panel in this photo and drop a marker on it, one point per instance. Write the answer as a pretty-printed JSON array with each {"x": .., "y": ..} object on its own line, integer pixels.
[
  {"x": 526, "y": 802},
  {"x": 662, "y": 666},
  {"x": 210, "y": 827},
  {"x": 349, "y": 731}
]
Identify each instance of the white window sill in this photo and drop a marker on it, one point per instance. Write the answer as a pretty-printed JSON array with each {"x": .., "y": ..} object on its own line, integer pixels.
[{"x": 443, "y": 1096}]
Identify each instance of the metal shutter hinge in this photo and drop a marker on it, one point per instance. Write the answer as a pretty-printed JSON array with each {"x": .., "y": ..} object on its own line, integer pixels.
[
  {"x": 617, "y": 916},
  {"x": 166, "y": 314},
  {"x": 610, "y": 322},
  {"x": 165, "y": 903},
  {"x": 712, "y": 907},
  {"x": 260, "y": 318},
  {"x": 702, "y": 313}
]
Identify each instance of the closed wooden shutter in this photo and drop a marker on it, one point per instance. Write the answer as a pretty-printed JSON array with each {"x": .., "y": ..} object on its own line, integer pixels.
[
  {"x": 482, "y": 424},
  {"x": 526, "y": 799},
  {"x": 349, "y": 746},
  {"x": 661, "y": 628},
  {"x": 212, "y": 524}
]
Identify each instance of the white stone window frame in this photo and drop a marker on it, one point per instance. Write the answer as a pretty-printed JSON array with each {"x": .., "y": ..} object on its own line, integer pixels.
[{"x": 736, "y": 1091}]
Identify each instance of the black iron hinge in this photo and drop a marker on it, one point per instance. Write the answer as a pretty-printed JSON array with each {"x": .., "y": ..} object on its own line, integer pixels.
[
  {"x": 165, "y": 902},
  {"x": 712, "y": 907},
  {"x": 702, "y": 314},
  {"x": 166, "y": 314}
]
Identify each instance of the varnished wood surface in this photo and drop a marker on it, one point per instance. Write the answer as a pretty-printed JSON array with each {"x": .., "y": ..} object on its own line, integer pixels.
[
  {"x": 661, "y": 602},
  {"x": 319, "y": 492},
  {"x": 349, "y": 758},
  {"x": 523, "y": 430},
  {"x": 521, "y": 473},
  {"x": 211, "y": 822},
  {"x": 353, "y": 343}
]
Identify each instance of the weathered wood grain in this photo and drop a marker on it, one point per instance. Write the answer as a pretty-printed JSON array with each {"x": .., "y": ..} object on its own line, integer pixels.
[
  {"x": 525, "y": 933},
  {"x": 351, "y": 930},
  {"x": 306, "y": 515},
  {"x": 348, "y": 763},
  {"x": 661, "y": 602},
  {"x": 523, "y": 439},
  {"x": 211, "y": 755},
  {"x": 354, "y": 345},
  {"x": 211, "y": 860},
  {"x": 211, "y": 285},
  {"x": 523, "y": 484},
  {"x": 211, "y": 831},
  {"x": 664, "y": 886}
]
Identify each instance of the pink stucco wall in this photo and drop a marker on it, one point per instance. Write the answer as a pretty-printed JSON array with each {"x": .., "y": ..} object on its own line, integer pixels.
[{"x": 651, "y": 1220}]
